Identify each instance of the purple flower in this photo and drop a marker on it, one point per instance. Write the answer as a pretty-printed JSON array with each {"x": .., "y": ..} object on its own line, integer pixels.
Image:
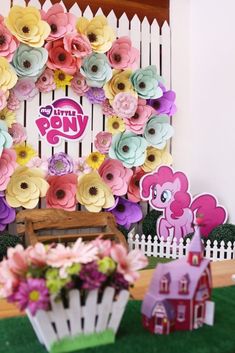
[
  {"x": 119, "y": 282},
  {"x": 25, "y": 89},
  {"x": 91, "y": 277},
  {"x": 33, "y": 295},
  {"x": 126, "y": 212},
  {"x": 60, "y": 164},
  {"x": 95, "y": 95},
  {"x": 7, "y": 214},
  {"x": 164, "y": 104}
]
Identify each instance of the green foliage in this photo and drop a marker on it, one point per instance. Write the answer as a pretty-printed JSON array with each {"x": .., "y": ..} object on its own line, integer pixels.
[
  {"x": 149, "y": 222},
  {"x": 225, "y": 232},
  {"x": 7, "y": 241}
]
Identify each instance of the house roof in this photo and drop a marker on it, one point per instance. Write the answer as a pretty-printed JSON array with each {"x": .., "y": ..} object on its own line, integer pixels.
[{"x": 196, "y": 243}]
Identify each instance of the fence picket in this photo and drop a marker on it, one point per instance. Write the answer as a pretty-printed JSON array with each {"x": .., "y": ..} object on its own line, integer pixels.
[
  {"x": 35, "y": 3},
  {"x": 155, "y": 45},
  {"x": 123, "y": 26},
  {"x": 88, "y": 13},
  {"x": 145, "y": 43},
  {"x": 44, "y": 327},
  {"x": 89, "y": 312},
  {"x": 46, "y": 149},
  {"x": 47, "y": 5},
  {"x": 74, "y": 312},
  {"x": 60, "y": 93},
  {"x": 75, "y": 9},
  {"x": 174, "y": 248},
  {"x": 229, "y": 250},
  {"x": 5, "y": 7},
  {"x": 58, "y": 313},
  {"x": 32, "y": 114},
  {"x": 166, "y": 54},
  {"x": 149, "y": 246},
  {"x": 118, "y": 309},
  {"x": 214, "y": 251},
  {"x": 104, "y": 309},
  {"x": 112, "y": 19},
  {"x": 135, "y": 32}
]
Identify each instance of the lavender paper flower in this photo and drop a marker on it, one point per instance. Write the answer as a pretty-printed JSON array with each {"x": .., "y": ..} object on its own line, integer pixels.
[
  {"x": 164, "y": 104},
  {"x": 126, "y": 212},
  {"x": 60, "y": 164},
  {"x": 91, "y": 277},
  {"x": 95, "y": 95},
  {"x": 7, "y": 214}
]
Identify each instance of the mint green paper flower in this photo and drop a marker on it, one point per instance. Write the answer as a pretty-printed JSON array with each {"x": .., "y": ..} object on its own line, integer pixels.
[
  {"x": 106, "y": 265},
  {"x": 5, "y": 138},
  {"x": 146, "y": 83},
  {"x": 128, "y": 148},
  {"x": 158, "y": 131},
  {"x": 74, "y": 269},
  {"x": 29, "y": 61},
  {"x": 96, "y": 69},
  {"x": 53, "y": 281}
]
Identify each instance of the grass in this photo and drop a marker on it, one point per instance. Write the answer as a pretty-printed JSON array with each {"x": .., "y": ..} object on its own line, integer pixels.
[{"x": 153, "y": 261}]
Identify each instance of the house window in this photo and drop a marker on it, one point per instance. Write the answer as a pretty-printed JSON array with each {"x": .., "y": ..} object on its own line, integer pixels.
[
  {"x": 181, "y": 312},
  {"x": 164, "y": 285},
  {"x": 195, "y": 260},
  {"x": 183, "y": 285}
]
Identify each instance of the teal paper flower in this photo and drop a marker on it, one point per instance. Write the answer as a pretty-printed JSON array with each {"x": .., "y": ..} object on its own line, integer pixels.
[
  {"x": 29, "y": 61},
  {"x": 5, "y": 138},
  {"x": 146, "y": 82},
  {"x": 158, "y": 131},
  {"x": 96, "y": 69},
  {"x": 128, "y": 148}
]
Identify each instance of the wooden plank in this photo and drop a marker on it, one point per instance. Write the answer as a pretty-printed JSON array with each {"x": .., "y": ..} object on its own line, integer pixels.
[
  {"x": 72, "y": 237},
  {"x": 155, "y": 45}
]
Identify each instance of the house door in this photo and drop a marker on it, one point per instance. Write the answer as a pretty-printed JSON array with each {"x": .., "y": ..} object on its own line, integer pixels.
[
  {"x": 161, "y": 325},
  {"x": 198, "y": 315}
]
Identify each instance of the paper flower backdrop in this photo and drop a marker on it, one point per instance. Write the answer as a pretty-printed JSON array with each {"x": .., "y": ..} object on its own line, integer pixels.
[{"x": 41, "y": 51}]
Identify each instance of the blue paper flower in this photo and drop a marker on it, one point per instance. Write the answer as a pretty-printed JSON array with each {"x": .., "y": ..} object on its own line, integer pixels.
[
  {"x": 158, "y": 131},
  {"x": 5, "y": 138},
  {"x": 29, "y": 61},
  {"x": 96, "y": 69},
  {"x": 128, "y": 148},
  {"x": 146, "y": 83}
]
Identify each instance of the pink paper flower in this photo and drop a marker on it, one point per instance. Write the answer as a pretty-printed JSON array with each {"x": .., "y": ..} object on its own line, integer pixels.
[
  {"x": 122, "y": 55},
  {"x": 103, "y": 141},
  {"x": 62, "y": 192},
  {"x": 103, "y": 246},
  {"x": 8, "y": 280},
  {"x": 128, "y": 264},
  {"x": 61, "y": 22},
  {"x": 79, "y": 85},
  {"x": 45, "y": 82},
  {"x": 125, "y": 105},
  {"x": 7, "y": 167},
  {"x": 81, "y": 167},
  {"x": 3, "y": 98},
  {"x": 18, "y": 133},
  {"x": 8, "y": 43},
  {"x": 37, "y": 254},
  {"x": 17, "y": 259},
  {"x": 13, "y": 102},
  {"x": 59, "y": 58},
  {"x": 137, "y": 122},
  {"x": 116, "y": 176},
  {"x": 41, "y": 163},
  {"x": 134, "y": 186},
  {"x": 107, "y": 109},
  {"x": 77, "y": 44},
  {"x": 25, "y": 89}
]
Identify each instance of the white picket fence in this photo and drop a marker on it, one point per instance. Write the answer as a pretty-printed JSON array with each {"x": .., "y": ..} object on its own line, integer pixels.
[
  {"x": 52, "y": 326},
  {"x": 172, "y": 249}
]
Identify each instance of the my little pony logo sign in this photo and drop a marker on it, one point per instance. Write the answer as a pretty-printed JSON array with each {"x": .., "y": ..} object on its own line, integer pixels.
[
  {"x": 168, "y": 191},
  {"x": 63, "y": 119}
]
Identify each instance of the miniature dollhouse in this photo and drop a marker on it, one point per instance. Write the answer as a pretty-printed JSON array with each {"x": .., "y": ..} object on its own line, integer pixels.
[{"x": 179, "y": 294}]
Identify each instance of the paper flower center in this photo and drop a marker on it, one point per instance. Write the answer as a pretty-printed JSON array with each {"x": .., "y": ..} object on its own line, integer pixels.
[
  {"x": 53, "y": 28},
  {"x": 34, "y": 295},
  {"x": 26, "y": 64},
  {"x": 142, "y": 85},
  {"x": 151, "y": 131},
  {"x": 93, "y": 191},
  {"x": 25, "y": 29},
  {"x": 44, "y": 79},
  {"x": 62, "y": 57},
  {"x": 136, "y": 116},
  {"x": 59, "y": 165},
  {"x": 61, "y": 76},
  {"x": 79, "y": 82},
  {"x": 60, "y": 194},
  {"x": 117, "y": 58},
  {"x": 137, "y": 183},
  {"x": 120, "y": 208},
  {"x": 23, "y": 154},
  {"x": 2, "y": 39},
  {"x": 151, "y": 158},
  {"x": 121, "y": 86},
  {"x": 115, "y": 125},
  {"x": 24, "y": 186},
  {"x": 156, "y": 105},
  {"x": 94, "y": 68},
  {"x": 2, "y": 117},
  {"x": 125, "y": 148},
  {"x": 109, "y": 176},
  {"x": 95, "y": 158},
  {"x": 92, "y": 37}
]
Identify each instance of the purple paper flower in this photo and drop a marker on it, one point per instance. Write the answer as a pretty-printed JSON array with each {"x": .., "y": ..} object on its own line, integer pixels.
[
  {"x": 164, "y": 104},
  {"x": 7, "y": 214},
  {"x": 33, "y": 295},
  {"x": 126, "y": 212},
  {"x": 91, "y": 277},
  {"x": 25, "y": 89},
  {"x": 60, "y": 164},
  {"x": 95, "y": 95},
  {"x": 118, "y": 282}
]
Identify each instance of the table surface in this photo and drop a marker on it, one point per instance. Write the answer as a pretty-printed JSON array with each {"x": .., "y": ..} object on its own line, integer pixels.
[{"x": 221, "y": 274}]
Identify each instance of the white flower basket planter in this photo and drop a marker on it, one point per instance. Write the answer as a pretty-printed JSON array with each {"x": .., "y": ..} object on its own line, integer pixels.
[{"x": 80, "y": 325}]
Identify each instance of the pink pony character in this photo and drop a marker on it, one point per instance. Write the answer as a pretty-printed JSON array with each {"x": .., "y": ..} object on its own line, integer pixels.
[{"x": 167, "y": 191}]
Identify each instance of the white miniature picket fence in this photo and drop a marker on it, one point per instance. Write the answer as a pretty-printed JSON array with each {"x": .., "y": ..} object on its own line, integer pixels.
[
  {"x": 52, "y": 326},
  {"x": 159, "y": 247}
]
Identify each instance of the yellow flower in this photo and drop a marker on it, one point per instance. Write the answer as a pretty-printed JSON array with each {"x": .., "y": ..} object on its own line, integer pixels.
[
  {"x": 24, "y": 153},
  {"x": 8, "y": 116},
  {"x": 119, "y": 83},
  {"x": 155, "y": 158},
  {"x": 95, "y": 159},
  {"x": 93, "y": 193},
  {"x": 99, "y": 33},
  {"x": 115, "y": 125},
  {"x": 26, "y": 25},
  {"x": 25, "y": 187},
  {"x": 8, "y": 77},
  {"x": 62, "y": 79}
]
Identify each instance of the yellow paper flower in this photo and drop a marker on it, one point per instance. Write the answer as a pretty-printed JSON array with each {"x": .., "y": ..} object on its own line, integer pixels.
[
  {"x": 62, "y": 79},
  {"x": 98, "y": 31},
  {"x": 25, "y": 187},
  {"x": 155, "y": 158},
  {"x": 26, "y": 25},
  {"x": 24, "y": 153},
  {"x": 95, "y": 159},
  {"x": 8, "y": 116},
  {"x": 119, "y": 83},
  {"x": 93, "y": 193},
  {"x": 115, "y": 125},
  {"x": 8, "y": 77}
]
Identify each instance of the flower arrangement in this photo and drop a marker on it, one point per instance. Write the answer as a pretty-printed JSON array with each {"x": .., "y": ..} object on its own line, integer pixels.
[{"x": 41, "y": 51}]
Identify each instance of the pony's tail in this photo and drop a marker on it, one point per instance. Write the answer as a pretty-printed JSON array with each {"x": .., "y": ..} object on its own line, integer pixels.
[{"x": 207, "y": 208}]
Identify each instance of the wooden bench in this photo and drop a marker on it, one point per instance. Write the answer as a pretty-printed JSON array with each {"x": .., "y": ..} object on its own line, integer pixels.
[{"x": 52, "y": 225}]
